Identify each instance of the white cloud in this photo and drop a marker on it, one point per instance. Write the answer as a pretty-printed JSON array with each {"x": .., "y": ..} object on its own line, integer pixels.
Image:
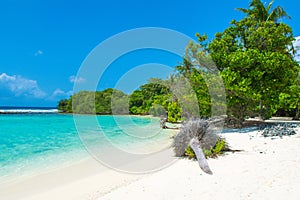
[
  {"x": 75, "y": 79},
  {"x": 296, "y": 45},
  {"x": 60, "y": 94},
  {"x": 39, "y": 52},
  {"x": 21, "y": 86}
]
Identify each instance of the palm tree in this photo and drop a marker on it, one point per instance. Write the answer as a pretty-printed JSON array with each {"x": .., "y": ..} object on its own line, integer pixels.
[{"x": 260, "y": 12}]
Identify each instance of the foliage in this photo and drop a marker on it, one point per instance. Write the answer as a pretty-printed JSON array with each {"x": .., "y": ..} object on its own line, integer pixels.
[
  {"x": 195, "y": 136},
  {"x": 119, "y": 103},
  {"x": 258, "y": 11},
  {"x": 289, "y": 100},
  {"x": 136, "y": 102},
  {"x": 190, "y": 153},
  {"x": 103, "y": 102},
  {"x": 219, "y": 148},
  {"x": 65, "y": 105},
  {"x": 157, "y": 110},
  {"x": 174, "y": 112},
  {"x": 195, "y": 73},
  {"x": 153, "y": 98},
  {"x": 252, "y": 56},
  {"x": 156, "y": 98},
  {"x": 213, "y": 152},
  {"x": 204, "y": 130},
  {"x": 256, "y": 64},
  {"x": 153, "y": 92}
]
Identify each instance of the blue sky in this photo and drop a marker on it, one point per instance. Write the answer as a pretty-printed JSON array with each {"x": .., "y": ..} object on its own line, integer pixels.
[{"x": 43, "y": 43}]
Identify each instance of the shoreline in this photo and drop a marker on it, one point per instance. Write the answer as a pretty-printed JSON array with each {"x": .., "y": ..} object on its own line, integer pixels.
[
  {"x": 19, "y": 169},
  {"x": 266, "y": 168},
  {"x": 262, "y": 168},
  {"x": 35, "y": 171},
  {"x": 76, "y": 181}
]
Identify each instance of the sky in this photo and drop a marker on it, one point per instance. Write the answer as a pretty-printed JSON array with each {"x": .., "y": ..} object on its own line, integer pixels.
[{"x": 43, "y": 44}]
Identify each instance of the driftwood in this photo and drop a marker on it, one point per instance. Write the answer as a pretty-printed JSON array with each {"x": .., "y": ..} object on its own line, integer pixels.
[
  {"x": 199, "y": 134},
  {"x": 163, "y": 122},
  {"x": 196, "y": 146}
]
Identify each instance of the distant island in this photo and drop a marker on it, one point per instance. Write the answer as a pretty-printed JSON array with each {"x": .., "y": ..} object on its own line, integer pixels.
[{"x": 152, "y": 98}]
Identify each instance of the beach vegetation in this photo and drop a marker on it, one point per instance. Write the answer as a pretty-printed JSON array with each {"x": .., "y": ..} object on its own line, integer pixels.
[
  {"x": 100, "y": 102},
  {"x": 254, "y": 58},
  {"x": 190, "y": 153},
  {"x": 256, "y": 62},
  {"x": 198, "y": 138},
  {"x": 219, "y": 148},
  {"x": 194, "y": 70},
  {"x": 157, "y": 110},
  {"x": 174, "y": 112},
  {"x": 65, "y": 105},
  {"x": 155, "y": 92}
]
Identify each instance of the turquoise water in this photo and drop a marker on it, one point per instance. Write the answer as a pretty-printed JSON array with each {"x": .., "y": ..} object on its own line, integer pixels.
[{"x": 36, "y": 142}]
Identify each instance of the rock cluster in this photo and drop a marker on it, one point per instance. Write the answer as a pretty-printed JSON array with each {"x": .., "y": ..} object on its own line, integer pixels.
[{"x": 280, "y": 129}]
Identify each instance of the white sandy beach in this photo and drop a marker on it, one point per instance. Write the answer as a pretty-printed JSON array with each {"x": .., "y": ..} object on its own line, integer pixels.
[{"x": 265, "y": 169}]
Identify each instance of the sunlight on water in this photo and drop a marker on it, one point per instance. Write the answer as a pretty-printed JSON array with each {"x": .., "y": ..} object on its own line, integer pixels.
[{"x": 35, "y": 142}]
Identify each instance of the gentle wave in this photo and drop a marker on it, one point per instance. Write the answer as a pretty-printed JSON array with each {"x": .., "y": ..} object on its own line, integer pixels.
[{"x": 27, "y": 111}]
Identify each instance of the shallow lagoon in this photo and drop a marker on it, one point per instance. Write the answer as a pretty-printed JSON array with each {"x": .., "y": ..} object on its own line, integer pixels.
[{"x": 34, "y": 143}]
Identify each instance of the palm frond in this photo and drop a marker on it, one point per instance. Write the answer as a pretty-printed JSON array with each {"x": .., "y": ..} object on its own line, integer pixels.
[
  {"x": 270, "y": 6},
  {"x": 243, "y": 10},
  {"x": 262, "y": 12},
  {"x": 281, "y": 12},
  {"x": 278, "y": 13}
]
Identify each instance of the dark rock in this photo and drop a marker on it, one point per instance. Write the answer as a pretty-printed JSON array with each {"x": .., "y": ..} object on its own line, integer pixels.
[{"x": 279, "y": 129}]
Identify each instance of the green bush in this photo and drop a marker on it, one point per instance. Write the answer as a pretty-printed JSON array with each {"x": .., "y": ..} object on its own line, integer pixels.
[
  {"x": 189, "y": 152},
  {"x": 213, "y": 152},
  {"x": 174, "y": 112}
]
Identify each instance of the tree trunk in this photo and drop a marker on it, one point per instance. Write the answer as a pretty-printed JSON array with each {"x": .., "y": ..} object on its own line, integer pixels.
[
  {"x": 163, "y": 122},
  {"x": 196, "y": 146},
  {"x": 297, "y": 111},
  {"x": 260, "y": 110}
]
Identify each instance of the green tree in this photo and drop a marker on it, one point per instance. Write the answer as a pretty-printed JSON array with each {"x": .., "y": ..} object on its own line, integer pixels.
[
  {"x": 203, "y": 77},
  {"x": 255, "y": 62},
  {"x": 136, "y": 101},
  {"x": 174, "y": 112},
  {"x": 154, "y": 92},
  {"x": 107, "y": 101},
  {"x": 289, "y": 101},
  {"x": 83, "y": 102},
  {"x": 119, "y": 103},
  {"x": 65, "y": 105}
]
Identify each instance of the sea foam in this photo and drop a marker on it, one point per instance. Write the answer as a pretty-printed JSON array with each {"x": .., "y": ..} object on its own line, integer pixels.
[{"x": 27, "y": 110}]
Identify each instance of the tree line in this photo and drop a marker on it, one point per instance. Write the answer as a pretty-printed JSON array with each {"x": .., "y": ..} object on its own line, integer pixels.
[{"x": 254, "y": 57}]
